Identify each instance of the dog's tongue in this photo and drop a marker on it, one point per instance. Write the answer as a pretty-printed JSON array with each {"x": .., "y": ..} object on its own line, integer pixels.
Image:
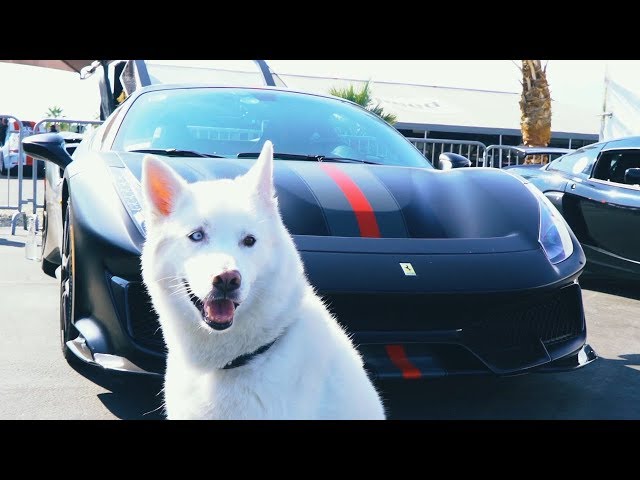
[{"x": 219, "y": 311}]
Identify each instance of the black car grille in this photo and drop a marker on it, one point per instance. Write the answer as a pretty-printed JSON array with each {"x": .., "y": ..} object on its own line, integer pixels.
[
  {"x": 499, "y": 319},
  {"x": 550, "y": 318},
  {"x": 486, "y": 320},
  {"x": 142, "y": 319}
]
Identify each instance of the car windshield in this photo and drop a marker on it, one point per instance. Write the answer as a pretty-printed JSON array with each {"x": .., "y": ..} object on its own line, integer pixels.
[{"x": 235, "y": 122}]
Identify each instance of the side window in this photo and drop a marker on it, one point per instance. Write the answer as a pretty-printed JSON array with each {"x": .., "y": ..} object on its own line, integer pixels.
[
  {"x": 577, "y": 163},
  {"x": 613, "y": 165}
]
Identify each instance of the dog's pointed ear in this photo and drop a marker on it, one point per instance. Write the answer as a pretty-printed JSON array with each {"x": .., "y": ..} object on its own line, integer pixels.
[
  {"x": 161, "y": 186},
  {"x": 261, "y": 174}
]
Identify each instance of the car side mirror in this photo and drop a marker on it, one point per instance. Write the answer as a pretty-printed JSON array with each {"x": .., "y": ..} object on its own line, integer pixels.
[
  {"x": 632, "y": 176},
  {"x": 49, "y": 147},
  {"x": 449, "y": 160}
]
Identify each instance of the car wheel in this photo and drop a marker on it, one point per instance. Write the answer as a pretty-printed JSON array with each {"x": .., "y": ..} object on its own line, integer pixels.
[{"x": 67, "y": 330}]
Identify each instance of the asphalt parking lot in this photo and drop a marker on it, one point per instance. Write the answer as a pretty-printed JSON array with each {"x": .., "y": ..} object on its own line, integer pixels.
[{"x": 37, "y": 383}]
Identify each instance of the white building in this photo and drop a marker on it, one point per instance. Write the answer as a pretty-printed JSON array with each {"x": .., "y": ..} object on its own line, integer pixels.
[{"x": 490, "y": 117}]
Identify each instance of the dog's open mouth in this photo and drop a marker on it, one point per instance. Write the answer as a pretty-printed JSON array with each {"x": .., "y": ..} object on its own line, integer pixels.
[{"x": 216, "y": 312}]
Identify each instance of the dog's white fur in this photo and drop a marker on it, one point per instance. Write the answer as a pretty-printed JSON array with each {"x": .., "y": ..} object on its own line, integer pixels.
[{"x": 312, "y": 371}]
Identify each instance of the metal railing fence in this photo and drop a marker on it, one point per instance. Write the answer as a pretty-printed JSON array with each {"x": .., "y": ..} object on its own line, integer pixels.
[
  {"x": 21, "y": 201},
  {"x": 431, "y": 148}
]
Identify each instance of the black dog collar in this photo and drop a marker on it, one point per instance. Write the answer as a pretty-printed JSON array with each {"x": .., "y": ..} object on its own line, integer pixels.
[{"x": 247, "y": 357}]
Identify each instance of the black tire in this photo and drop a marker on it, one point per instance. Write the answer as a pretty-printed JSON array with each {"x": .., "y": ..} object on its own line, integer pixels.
[{"x": 67, "y": 330}]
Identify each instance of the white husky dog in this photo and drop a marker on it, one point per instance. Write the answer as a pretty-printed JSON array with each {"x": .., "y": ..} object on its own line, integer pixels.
[{"x": 247, "y": 336}]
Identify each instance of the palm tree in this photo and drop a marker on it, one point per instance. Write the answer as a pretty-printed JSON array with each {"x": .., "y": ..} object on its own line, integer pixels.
[
  {"x": 535, "y": 108},
  {"x": 363, "y": 98},
  {"x": 54, "y": 112}
]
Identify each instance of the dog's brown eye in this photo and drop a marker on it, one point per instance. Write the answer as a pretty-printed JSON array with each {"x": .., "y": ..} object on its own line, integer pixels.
[{"x": 249, "y": 241}]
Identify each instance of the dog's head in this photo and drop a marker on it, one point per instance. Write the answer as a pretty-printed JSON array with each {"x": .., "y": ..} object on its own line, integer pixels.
[{"x": 211, "y": 245}]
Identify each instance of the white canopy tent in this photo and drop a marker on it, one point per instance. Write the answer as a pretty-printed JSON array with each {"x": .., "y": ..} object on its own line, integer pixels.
[
  {"x": 621, "y": 109},
  {"x": 427, "y": 107},
  {"x": 67, "y": 65}
]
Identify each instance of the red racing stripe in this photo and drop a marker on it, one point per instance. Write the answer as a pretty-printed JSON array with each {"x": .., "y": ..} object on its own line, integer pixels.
[
  {"x": 399, "y": 358},
  {"x": 361, "y": 207}
]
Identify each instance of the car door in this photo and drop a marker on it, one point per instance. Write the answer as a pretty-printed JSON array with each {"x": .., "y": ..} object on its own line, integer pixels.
[{"x": 610, "y": 208}]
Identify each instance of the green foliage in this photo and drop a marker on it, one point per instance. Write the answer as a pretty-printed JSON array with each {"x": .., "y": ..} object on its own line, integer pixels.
[
  {"x": 56, "y": 112},
  {"x": 363, "y": 98}
]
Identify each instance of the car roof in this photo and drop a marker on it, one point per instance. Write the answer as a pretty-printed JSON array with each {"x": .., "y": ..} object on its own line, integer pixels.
[
  {"x": 622, "y": 143},
  {"x": 178, "y": 86}
]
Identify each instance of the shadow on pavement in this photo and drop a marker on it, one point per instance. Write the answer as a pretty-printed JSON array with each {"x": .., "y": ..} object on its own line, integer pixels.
[
  {"x": 607, "y": 389},
  {"x": 130, "y": 396},
  {"x": 10, "y": 243}
]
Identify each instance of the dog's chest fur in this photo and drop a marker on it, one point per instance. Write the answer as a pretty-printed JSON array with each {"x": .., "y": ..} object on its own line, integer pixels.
[{"x": 294, "y": 379}]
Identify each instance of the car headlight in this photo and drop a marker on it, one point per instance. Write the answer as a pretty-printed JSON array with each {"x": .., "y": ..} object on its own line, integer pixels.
[
  {"x": 553, "y": 233},
  {"x": 130, "y": 193}
]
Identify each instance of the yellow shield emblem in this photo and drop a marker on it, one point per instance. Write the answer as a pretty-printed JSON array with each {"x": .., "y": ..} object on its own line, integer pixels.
[{"x": 408, "y": 270}]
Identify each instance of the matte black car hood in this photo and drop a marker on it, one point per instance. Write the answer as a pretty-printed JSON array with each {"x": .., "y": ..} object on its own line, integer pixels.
[{"x": 361, "y": 200}]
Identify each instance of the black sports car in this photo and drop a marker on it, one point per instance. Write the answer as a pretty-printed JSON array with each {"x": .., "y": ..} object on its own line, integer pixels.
[
  {"x": 597, "y": 189},
  {"x": 435, "y": 273}
]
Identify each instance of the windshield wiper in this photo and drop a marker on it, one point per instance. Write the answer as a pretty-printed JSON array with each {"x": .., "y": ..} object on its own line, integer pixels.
[
  {"x": 173, "y": 152},
  {"x": 313, "y": 158},
  {"x": 346, "y": 160}
]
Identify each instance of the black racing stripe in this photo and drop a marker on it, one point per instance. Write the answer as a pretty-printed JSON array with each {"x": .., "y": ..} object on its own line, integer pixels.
[
  {"x": 391, "y": 221},
  {"x": 339, "y": 215},
  {"x": 420, "y": 199},
  {"x": 301, "y": 210}
]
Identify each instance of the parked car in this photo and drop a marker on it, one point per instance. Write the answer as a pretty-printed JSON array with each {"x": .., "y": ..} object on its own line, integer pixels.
[
  {"x": 427, "y": 280},
  {"x": 597, "y": 190},
  {"x": 10, "y": 149}
]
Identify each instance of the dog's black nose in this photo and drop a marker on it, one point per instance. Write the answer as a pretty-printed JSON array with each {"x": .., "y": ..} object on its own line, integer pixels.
[{"x": 227, "y": 281}]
